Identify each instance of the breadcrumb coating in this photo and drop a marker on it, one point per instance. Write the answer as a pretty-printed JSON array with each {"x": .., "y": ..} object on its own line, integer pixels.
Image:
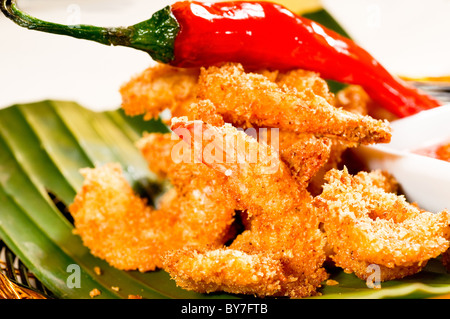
[
  {"x": 205, "y": 111},
  {"x": 119, "y": 226},
  {"x": 304, "y": 154},
  {"x": 301, "y": 80},
  {"x": 365, "y": 223},
  {"x": 159, "y": 77},
  {"x": 224, "y": 269},
  {"x": 251, "y": 99},
  {"x": 354, "y": 99},
  {"x": 157, "y": 88},
  {"x": 283, "y": 223},
  {"x": 166, "y": 157}
]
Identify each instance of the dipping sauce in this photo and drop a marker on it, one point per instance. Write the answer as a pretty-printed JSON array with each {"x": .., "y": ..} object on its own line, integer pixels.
[{"x": 440, "y": 151}]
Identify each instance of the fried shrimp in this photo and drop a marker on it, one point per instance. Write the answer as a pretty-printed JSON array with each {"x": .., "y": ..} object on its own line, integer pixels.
[
  {"x": 263, "y": 150},
  {"x": 304, "y": 154},
  {"x": 283, "y": 224},
  {"x": 119, "y": 226},
  {"x": 301, "y": 95},
  {"x": 366, "y": 223},
  {"x": 354, "y": 99},
  {"x": 158, "y": 88},
  {"x": 250, "y": 99},
  {"x": 224, "y": 269},
  {"x": 302, "y": 80}
]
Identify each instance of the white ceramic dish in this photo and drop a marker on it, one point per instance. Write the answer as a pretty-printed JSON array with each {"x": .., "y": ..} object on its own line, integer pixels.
[{"x": 423, "y": 179}]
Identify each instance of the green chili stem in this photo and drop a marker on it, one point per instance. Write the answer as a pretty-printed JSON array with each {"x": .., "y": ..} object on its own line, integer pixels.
[{"x": 155, "y": 36}]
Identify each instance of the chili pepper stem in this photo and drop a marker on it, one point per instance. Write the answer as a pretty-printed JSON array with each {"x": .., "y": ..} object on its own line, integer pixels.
[
  {"x": 154, "y": 36},
  {"x": 107, "y": 36}
]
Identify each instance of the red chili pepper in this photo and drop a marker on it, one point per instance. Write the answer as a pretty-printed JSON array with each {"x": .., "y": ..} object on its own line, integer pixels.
[
  {"x": 266, "y": 35},
  {"x": 256, "y": 34}
]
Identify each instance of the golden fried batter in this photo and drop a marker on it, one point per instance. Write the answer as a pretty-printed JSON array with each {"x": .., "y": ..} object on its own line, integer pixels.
[
  {"x": 205, "y": 111},
  {"x": 283, "y": 223},
  {"x": 121, "y": 228},
  {"x": 250, "y": 99},
  {"x": 292, "y": 152},
  {"x": 304, "y": 154},
  {"x": 367, "y": 224},
  {"x": 158, "y": 88},
  {"x": 354, "y": 99},
  {"x": 302, "y": 80},
  {"x": 337, "y": 149},
  {"x": 228, "y": 270}
]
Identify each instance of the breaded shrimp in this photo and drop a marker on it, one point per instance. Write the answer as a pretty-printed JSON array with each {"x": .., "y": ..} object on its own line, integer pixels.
[
  {"x": 309, "y": 157},
  {"x": 365, "y": 223},
  {"x": 354, "y": 99},
  {"x": 250, "y": 99},
  {"x": 304, "y": 154},
  {"x": 327, "y": 151},
  {"x": 163, "y": 87},
  {"x": 302, "y": 80},
  {"x": 205, "y": 111},
  {"x": 334, "y": 160},
  {"x": 171, "y": 158},
  {"x": 157, "y": 88},
  {"x": 119, "y": 226},
  {"x": 228, "y": 270},
  {"x": 283, "y": 224}
]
